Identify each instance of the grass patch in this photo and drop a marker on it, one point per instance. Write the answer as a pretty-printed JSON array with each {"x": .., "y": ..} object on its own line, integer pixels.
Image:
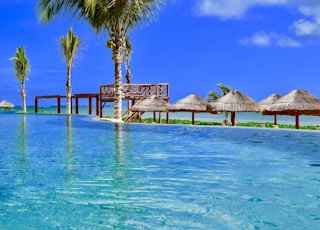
[{"x": 240, "y": 124}]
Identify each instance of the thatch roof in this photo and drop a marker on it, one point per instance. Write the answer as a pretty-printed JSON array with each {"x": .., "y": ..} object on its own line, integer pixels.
[
  {"x": 6, "y": 104},
  {"x": 270, "y": 100},
  {"x": 151, "y": 104},
  {"x": 191, "y": 103},
  {"x": 234, "y": 101},
  {"x": 295, "y": 102}
]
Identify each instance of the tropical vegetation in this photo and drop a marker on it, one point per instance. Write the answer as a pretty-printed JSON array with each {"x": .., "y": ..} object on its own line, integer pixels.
[
  {"x": 22, "y": 69},
  {"x": 112, "y": 17},
  {"x": 69, "y": 47}
]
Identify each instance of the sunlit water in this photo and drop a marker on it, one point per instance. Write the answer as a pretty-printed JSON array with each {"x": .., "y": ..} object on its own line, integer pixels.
[{"x": 60, "y": 172}]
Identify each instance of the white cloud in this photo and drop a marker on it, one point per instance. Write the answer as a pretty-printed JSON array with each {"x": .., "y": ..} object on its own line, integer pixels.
[
  {"x": 231, "y": 8},
  {"x": 304, "y": 27},
  {"x": 264, "y": 39},
  {"x": 307, "y": 25},
  {"x": 223, "y": 9}
]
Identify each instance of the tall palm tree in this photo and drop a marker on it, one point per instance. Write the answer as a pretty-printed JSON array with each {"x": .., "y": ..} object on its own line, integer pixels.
[
  {"x": 69, "y": 47},
  {"x": 22, "y": 69},
  {"x": 127, "y": 59},
  {"x": 214, "y": 95},
  {"x": 114, "y": 17}
]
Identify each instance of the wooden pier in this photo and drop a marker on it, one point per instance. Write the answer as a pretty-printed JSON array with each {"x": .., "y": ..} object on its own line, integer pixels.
[
  {"x": 131, "y": 92},
  {"x": 75, "y": 97}
]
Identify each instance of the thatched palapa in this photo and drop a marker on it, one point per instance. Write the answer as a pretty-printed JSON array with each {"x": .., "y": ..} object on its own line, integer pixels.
[
  {"x": 6, "y": 104},
  {"x": 295, "y": 103},
  {"x": 192, "y": 103},
  {"x": 269, "y": 101},
  {"x": 151, "y": 104},
  {"x": 233, "y": 102}
]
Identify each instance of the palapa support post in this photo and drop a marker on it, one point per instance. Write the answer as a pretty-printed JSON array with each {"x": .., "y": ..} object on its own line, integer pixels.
[
  {"x": 297, "y": 121},
  {"x": 233, "y": 116},
  {"x": 193, "y": 118},
  {"x": 154, "y": 117},
  {"x": 167, "y": 118},
  {"x": 275, "y": 119},
  {"x": 160, "y": 117}
]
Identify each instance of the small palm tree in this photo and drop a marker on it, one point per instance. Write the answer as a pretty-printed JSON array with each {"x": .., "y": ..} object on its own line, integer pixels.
[
  {"x": 22, "y": 69},
  {"x": 69, "y": 47},
  {"x": 214, "y": 95}
]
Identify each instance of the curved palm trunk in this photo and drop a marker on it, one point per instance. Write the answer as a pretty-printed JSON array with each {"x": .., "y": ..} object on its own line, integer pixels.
[
  {"x": 117, "y": 57},
  {"x": 23, "y": 97},
  {"x": 68, "y": 90}
]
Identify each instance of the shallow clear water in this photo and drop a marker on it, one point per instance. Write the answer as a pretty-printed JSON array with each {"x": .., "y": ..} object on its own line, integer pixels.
[{"x": 76, "y": 173}]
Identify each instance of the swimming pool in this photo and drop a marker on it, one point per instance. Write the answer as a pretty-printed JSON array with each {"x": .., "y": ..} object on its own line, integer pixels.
[{"x": 60, "y": 172}]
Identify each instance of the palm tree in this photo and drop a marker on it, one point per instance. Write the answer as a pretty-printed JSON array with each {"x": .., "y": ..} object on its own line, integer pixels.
[
  {"x": 22, "y": 69},
  {"x": 69, "y": 47},
  {"x": 127, "y": 59},
  {"x": 214, "y": 95},
  {"x": 114, "y": 17}
]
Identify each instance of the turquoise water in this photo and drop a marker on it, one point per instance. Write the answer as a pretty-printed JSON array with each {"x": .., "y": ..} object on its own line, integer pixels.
[{"x": 60, "y": 172}]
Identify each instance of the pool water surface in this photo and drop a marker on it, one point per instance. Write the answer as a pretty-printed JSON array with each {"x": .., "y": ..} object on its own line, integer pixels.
[{"x": 60, "y": 172}]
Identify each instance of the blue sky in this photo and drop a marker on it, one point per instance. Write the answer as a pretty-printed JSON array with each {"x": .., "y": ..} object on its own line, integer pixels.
[{"x": 258, "y": 47}]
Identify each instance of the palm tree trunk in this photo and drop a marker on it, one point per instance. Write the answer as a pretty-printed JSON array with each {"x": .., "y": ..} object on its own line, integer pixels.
[
  {"x": 23, "y": 97},
  {"x": 68, "y": 90},
  {"x": 128, "y": 79},
  {"x": 117, "y": 57}
]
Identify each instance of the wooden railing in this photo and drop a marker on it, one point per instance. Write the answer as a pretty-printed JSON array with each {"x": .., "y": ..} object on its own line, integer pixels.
[{"x": 135, "y": 92}]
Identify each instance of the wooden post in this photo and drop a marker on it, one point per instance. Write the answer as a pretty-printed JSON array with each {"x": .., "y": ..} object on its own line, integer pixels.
[
  {"x": 154, "y": 117},
  {"x": 193, "y": 118},
  {"x": 101, "y": 107},
  {"x": 297, "y": 121},
  {"x": 77, "y": 105},
  {"x": 35, "y": 104},
  {"x": 90, "y": 105},
  {"x": 233, "y": 116},
  {"x": 71, "y": 104},
  {"x": 58, "y": 106},
  {"x": 97, "y": 105},
  {"x": 167, "y": 117},
  {"x": 275, "y": 119},
  {"x": 160, "y": 117}
]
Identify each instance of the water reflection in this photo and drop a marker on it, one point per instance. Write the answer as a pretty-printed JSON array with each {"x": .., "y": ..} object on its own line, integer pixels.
[
  {"x": 70, "y": 170},
  {"x": 122, "y": 183},
  {"x": 22, "y": 144},
  {"x": 120, "y": 154}
]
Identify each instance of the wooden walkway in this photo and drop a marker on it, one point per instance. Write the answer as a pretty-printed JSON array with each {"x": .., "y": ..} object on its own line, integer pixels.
[
  {"x": 131, "y": 92},
  {"x": 75, "y": 97}
]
